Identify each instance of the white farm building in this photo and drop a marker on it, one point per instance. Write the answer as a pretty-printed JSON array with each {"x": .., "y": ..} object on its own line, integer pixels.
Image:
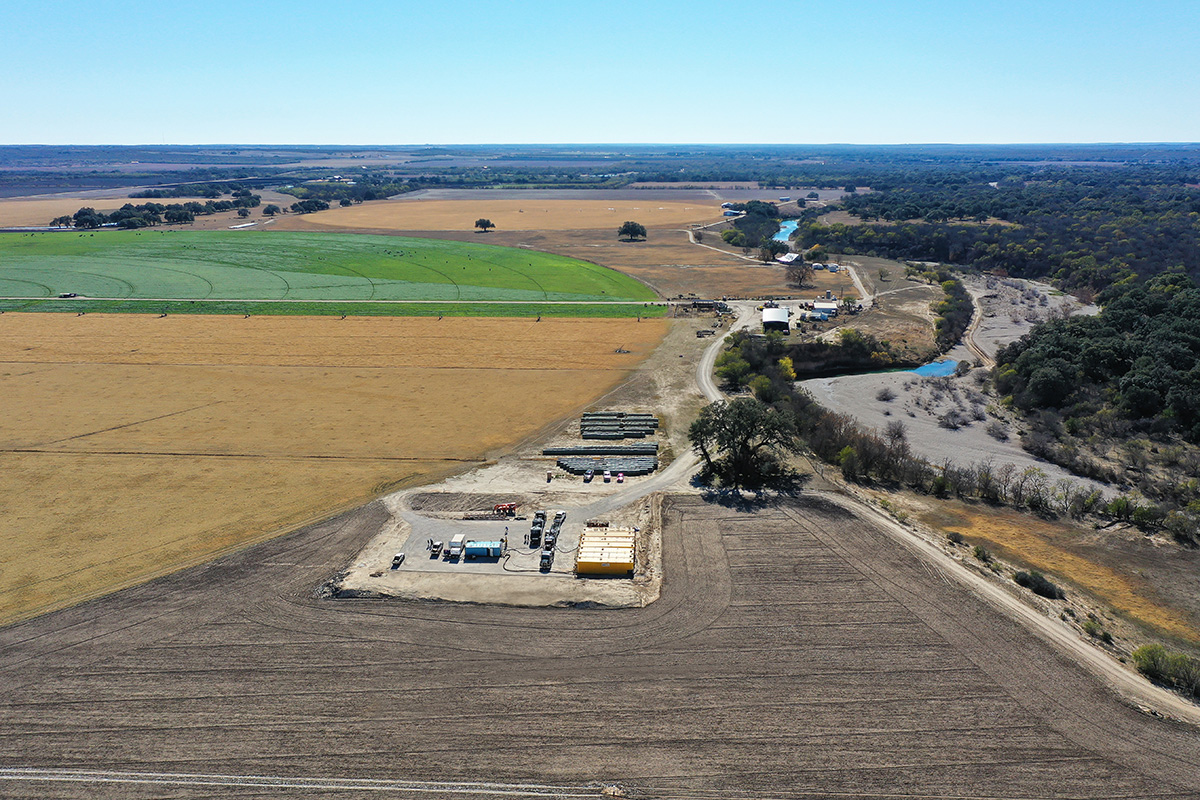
[{"x": 775, "y": 319}]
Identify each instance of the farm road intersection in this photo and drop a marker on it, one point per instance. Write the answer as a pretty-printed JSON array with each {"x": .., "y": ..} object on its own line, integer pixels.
[{"x": 793, "y": 654}]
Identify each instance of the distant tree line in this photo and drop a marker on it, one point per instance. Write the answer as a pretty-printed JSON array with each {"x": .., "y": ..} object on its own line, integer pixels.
[
  {"x": 208, "y": 190},
  {"x": 1083, "y": 228},
  {"x": 363, "y": 189},
  {"x": 309, "y": 206}
]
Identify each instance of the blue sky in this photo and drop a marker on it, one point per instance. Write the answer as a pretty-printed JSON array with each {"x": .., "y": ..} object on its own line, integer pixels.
[{"x": 374, "y": 72}]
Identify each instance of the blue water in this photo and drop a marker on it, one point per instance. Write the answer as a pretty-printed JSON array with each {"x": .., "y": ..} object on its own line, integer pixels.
[
  {"x": 789, "y": 225},
  {"x": 938, "y": 369}
]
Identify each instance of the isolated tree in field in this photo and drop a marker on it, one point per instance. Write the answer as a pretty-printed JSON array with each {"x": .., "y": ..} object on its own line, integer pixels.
[
  {"x": 631, "y": 231},
  {"x": 799, "y": 273},
  {"x": 483, "y": 223},
  {"x": 741, "y": 441},
  {"x": 271, "y": 210}
]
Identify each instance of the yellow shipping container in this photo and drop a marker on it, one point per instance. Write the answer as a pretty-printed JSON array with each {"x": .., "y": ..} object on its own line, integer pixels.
[{"x": 605, "y": 551}]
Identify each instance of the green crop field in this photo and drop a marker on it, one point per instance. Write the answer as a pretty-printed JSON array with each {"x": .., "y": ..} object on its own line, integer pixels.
[{"x": 167, "y": 266}]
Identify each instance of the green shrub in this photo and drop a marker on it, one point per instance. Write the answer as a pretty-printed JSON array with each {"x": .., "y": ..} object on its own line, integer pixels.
[
  {"x": 955, "y": 537},
  {"x": 1038, "y": 583},
  {"x": 982, "y": 554},
  {"x": 1166, "y": 666},
  {"x": 848, "y": 458},
  {"x": 1094, "y": 629}
]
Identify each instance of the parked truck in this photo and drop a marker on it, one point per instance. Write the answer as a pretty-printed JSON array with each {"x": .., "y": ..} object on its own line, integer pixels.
[
  {"x": 454, "y": 550},
  {"x": 474, "y": 549}
]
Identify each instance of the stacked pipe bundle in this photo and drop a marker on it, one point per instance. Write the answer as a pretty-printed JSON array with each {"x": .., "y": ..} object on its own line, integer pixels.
[
  {"x": 630, "y": 465},
  {"x": 637, "y": 449},
  {"x": 617, "y": 425}
]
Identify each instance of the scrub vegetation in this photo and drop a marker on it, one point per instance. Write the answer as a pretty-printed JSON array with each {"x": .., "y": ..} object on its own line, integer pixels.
[{"x": 1116, "y": 397}]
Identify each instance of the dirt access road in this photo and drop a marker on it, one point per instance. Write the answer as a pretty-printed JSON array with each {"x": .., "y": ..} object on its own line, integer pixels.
[{"x": 794, "y": 653}]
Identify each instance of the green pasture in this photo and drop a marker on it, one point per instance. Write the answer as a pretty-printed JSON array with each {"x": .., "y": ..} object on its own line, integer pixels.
[{"x": 174, "y": 265}]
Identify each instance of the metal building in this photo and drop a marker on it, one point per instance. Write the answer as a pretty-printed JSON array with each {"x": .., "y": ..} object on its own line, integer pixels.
[{"x": 775, "y": 319}]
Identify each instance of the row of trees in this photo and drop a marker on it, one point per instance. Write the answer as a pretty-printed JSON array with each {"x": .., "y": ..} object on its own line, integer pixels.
[
  {"x": 211, "y": 191},
  {"x": 146, "y": 215}
]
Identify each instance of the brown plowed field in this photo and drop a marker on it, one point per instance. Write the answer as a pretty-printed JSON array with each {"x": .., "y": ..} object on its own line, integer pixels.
[
  {"x": 132, "y": 445},
  {"x": 796, "y": 653}
]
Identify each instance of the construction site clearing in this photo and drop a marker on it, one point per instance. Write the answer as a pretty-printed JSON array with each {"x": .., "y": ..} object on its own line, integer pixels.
[
  {"x": 652, "y": 409},
  {"x": 548, "y": 557},
  {"x": 586, "y": 534}
]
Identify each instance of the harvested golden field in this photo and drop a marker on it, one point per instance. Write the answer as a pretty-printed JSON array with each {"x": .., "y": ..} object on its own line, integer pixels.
[
  {"x": 132, "y": 445},
  {"x": 508, "y": 213},
  {"x": 1125, "y": 574}
]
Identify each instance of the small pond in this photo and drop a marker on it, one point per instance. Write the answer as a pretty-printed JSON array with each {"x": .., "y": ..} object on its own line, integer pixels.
[
  {"x": 937, "y": 369},
  {"x": 788, "y": 225}
]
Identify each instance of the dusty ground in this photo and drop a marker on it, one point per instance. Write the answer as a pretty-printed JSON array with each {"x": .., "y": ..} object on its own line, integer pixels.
[
  {"x": 1010, "y": 308},
  {"x": 796, "y": 652},
  {"x": 133, "y": 445}
]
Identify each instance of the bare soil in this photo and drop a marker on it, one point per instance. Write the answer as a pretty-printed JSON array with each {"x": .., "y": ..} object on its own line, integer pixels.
[
  {"x": 460, "y": 502},
  {"x": 796, "y": 651}
]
